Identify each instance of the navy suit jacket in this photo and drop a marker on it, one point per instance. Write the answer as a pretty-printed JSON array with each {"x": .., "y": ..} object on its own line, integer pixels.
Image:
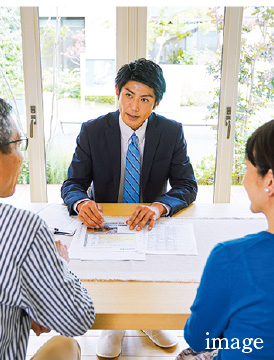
[{"x": 97, "y": 161}]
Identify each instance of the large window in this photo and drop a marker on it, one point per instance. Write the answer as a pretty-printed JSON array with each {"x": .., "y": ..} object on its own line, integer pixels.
[
  {"x": 193, "y": 45},
  {"x": 12, "y": 82},
  {"x": 256, "y": 81},
  {"x": 186, "y": 42},
  {"x": 78, "y": 69}
]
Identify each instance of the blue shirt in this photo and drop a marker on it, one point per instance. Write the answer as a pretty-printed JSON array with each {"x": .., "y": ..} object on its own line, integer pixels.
[
  {"x": 35, "y": 283},
  {"x": 235, "y": 299}
]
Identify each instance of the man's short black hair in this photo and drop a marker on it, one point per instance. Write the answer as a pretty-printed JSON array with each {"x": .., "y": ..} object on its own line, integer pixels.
[
  {"x": 6, "y": 126},
  {"x": 145, "y": 72}
]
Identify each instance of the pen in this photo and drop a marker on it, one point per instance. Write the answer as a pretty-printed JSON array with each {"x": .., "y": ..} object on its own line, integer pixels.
[{"x": 57, "y": 231}]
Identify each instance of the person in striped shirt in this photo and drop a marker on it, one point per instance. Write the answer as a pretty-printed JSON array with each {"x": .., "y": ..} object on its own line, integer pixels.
[{"x": 37, "y": 288}]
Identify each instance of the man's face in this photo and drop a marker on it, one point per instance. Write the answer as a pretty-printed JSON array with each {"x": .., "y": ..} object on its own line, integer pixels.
[
  {"x": 10, "y": 165},
  {"x": 136, "y": 102}
]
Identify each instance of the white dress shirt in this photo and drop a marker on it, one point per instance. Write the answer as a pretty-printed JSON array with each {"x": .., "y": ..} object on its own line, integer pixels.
[{"x": 126, "y": 133}]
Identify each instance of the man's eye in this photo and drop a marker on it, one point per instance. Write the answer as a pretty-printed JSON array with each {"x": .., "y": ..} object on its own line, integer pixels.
[
  {"x": 145, "y": 100},
  {"x": 127, "y": 94}
]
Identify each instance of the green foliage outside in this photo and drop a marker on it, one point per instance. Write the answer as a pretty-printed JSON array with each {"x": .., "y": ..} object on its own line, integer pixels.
[
  {"x": 256, "y": 83},
  {"x": 56, "y": 166},
  {"x": 56, "y": 171},
  {"x": 183, "y": 57},
  {"x": 24, "y": 175},
  {"x": 204, "y": 171},
  {"x": 68, "y": 85},
  {"x": 255, "y": 87},
  {"x": 170, "y": 24},
  {"x": 256, "y": 80},
  {"x": 109, "y": 100},
  {"x": 65, "y": 82},
  {"x": 11, "y": 69}
]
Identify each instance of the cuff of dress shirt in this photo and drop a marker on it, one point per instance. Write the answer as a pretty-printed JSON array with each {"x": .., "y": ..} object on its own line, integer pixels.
[
  {"x": 78, "y": 202},
  {"x": 166, "y": 206}
]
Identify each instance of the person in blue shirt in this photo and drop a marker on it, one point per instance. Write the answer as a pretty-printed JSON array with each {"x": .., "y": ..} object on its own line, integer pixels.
[{"x": 232, "y": 316}]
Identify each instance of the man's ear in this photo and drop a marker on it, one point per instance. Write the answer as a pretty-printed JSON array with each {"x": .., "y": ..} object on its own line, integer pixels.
[
  {"x": 117, "y": 91},
  {"x": 155, "y": 105}
]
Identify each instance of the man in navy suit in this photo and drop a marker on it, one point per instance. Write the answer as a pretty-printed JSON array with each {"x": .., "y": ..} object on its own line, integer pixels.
[{"x": 100, "y": 161}]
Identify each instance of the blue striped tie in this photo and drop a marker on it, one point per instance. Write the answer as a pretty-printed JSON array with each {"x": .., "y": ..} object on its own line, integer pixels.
[{"x": 132, "y": 173}]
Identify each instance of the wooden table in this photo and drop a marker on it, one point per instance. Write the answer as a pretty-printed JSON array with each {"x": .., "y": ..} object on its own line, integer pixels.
[
  {"x": 136, "y": 305},
  {"x": 152, "y": 305}
]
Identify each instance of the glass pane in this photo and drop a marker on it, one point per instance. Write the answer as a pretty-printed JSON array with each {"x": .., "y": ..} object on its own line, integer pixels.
[
  {"x": 78, "y": 51},
  {"x": 255, "y": 90},
  {"x": 187, "y": 43},
  {"x": 12, "y": 86}
]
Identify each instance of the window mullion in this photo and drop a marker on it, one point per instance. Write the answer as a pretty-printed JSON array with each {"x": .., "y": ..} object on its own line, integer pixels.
[
  {"x": 228, "y": 99},
  {"x": 33, "y": 95},
  {"x": 131, "y": 34}
]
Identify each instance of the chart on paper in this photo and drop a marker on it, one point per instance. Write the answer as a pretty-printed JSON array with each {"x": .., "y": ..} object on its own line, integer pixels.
[
  {"x": 116, "y": 242},
  {"x": 171, "y": 237},
  {"x": 112, "y": 242},
  {"x": 114, "y": 236}
]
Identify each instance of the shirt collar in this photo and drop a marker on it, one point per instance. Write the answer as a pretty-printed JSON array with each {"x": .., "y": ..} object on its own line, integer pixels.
[{"x": 126, "y": 131}]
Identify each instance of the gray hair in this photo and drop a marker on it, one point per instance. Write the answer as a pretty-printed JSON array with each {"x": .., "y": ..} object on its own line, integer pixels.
[{"x": 6, "y": 127}]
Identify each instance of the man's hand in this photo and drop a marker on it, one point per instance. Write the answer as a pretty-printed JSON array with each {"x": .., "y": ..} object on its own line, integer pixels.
[
  {"x": 38, "y": 329},
  {"x": 62, "y": 250},
  {"x": 144, "y": 214},
  {"x": 91, "y": 214}
]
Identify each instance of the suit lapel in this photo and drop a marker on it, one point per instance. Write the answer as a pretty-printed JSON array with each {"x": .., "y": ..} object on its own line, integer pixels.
[
  {"x": 151, "y": 142},
  {"x": 113, "y": 137}
]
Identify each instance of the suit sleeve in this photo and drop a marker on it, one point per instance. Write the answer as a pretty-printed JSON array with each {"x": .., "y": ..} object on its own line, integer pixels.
[
  {"x": 210, "y": 311},
  {"x": 50, "y": 293},
  {"x": 181, "y": 178},
  {"x": 80, "y": 175}
]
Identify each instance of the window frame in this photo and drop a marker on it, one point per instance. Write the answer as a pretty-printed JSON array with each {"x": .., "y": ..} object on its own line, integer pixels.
[
  {"x": 131, "y": 31},
  {"x": 228, "y": 98},
  {"x": 33, "y": 97}
]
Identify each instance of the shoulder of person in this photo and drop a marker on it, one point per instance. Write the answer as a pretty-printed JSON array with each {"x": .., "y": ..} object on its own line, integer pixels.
[
  {"x": 238, "y": 246},
  {"x": 162, "y": 121},
  {"x": 22, "y": 224},
  {"x": 13, "y": 213},
  {"x": 102, "y": 121}
]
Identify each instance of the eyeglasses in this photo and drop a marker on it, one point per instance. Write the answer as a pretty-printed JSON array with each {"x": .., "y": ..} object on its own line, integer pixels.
[{"x": 22, "y": 143}]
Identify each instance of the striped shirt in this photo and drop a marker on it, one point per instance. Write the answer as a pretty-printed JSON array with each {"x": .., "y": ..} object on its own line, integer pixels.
[{"x": 35, "y": 283}]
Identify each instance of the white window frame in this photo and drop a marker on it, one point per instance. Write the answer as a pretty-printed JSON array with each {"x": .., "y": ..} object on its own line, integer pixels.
[
  {"x": 131, "y": 44},
  {"x": 131, "y": 30},
  {"x": 33, "y": 97},
  {"x": 228, "y": 98}
]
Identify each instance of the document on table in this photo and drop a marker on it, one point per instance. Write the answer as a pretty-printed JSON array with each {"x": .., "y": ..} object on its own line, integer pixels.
[
  {"x": 116, "y": 242},
  {"x": 57, "y": 217},
  {"x": 171, "y": 236},
  {"x": 112, "y": 242}
]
